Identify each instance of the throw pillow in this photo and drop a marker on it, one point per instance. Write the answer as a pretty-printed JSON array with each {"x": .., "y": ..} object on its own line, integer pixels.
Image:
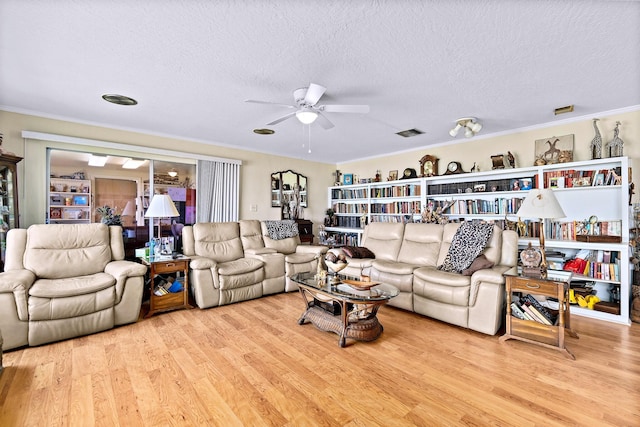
[
  {"x": 357, "y": 252},
  {"x": 480, "y": 263},
  {"x": 469, "y": 241}
]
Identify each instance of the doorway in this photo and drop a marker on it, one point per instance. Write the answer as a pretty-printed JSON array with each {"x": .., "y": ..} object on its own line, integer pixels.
[{"x": 116, "y": 193}]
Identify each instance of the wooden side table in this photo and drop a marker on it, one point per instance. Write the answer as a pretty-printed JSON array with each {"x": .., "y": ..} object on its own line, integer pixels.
[
  {"x": 170, "y": 301},
  {"x": 531, "y": 331}
]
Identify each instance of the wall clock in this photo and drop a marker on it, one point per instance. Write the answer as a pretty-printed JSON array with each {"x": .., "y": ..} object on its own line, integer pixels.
[
  {"x": 453, "y": 168},
  {"x": 429, "y": 165}
]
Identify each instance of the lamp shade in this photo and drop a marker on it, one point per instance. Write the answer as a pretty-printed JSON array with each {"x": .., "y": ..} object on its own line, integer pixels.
[
  {"x": 541, "y": 203},
  {"x": 161, "y": 206},
  {"x": 129, "y": 209}
]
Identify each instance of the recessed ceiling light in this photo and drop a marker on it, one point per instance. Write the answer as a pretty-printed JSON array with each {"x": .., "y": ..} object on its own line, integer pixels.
[
  {"x": 98, "y": 161},
  {"x": 264, "y": 131},
  {"x": 132, "y": 164},
  {"x": 409, "y": 133},
  {"x": 119, "y": 99}
]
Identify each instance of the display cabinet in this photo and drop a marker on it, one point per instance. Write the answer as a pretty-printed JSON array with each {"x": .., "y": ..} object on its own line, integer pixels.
[{"x": 9, "y": 213}]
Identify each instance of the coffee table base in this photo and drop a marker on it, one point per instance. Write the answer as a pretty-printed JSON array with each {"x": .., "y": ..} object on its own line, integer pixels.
[{"x": 367, "y": 329}]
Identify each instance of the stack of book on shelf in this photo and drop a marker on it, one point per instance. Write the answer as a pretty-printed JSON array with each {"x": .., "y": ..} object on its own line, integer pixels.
[{"x": 528, "y": 308}]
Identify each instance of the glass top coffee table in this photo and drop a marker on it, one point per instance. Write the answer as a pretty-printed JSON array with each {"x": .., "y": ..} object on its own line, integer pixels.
[{"x": 349, "y": 310}]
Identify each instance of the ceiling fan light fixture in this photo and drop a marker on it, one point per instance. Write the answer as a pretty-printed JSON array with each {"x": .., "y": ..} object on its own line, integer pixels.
[{"x": 306, "y": 116}]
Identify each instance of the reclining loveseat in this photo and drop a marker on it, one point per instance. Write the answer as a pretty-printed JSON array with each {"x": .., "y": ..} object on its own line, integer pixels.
[{"x": 408, "y": 256}]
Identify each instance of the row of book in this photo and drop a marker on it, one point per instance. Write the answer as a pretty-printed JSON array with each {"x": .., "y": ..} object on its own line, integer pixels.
[
  {"x": 355, "y": 193},
  {"x": 493, "y": 185},
  {"x": 568, "y": 230},
  {"x": 602, "y": 270},
  {"x": 350, "y": 208},
  {"x": 499, "y": 206},
  {"x": 348, "y": 221},
  {"x": 582, "y": 178},
  {"x": 407, "y": 190},
  {"x": 396, "y": 207},
  {"x": 528, "y": 308},
  {"x": 402, "y": 218}
]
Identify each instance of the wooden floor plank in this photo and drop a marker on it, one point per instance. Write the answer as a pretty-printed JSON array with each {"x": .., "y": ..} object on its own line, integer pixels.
[{"x": 251, "y": 363}]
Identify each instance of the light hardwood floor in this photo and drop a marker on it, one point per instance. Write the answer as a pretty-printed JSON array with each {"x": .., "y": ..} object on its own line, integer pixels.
[{"x": 251, "y": 364}]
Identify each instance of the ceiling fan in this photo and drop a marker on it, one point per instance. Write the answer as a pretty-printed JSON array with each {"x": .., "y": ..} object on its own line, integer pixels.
[{"x": 307, "y": 110}]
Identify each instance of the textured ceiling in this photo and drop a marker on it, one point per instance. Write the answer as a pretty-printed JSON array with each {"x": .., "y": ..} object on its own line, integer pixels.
[{"x": 418, "y": 64}]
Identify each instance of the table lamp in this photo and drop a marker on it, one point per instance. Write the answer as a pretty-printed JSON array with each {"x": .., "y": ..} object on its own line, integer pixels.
[
  {"x": 541, "y": 204},
  {"x": 161, "y": 206},
  {"x": 129, "y": 210}
]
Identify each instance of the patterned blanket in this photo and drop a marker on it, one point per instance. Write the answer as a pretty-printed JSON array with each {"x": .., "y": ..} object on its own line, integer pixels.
[
  {"x": 278, "y": 230},
  {"x": 469, "y": 241}
]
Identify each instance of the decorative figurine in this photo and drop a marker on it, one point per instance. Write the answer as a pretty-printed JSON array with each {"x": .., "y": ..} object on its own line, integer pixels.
[
  {"x": 596, "y": 142},
  {"x": 552, "y": 154},
  {"x": 614, "y": 147},
  {"x": 512, "y": 159}
]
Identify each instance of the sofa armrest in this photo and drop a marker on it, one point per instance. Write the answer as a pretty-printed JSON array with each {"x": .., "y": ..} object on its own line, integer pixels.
[
  {"x": 121, "y": 271},
  {"x": 202, "y": 263},
  {"x": 18, "y": 282},
  {"x": 312, "y": 249}
]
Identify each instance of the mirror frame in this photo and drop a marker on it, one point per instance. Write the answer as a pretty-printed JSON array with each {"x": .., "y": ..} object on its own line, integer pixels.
[{"x": 287, "y": 178}]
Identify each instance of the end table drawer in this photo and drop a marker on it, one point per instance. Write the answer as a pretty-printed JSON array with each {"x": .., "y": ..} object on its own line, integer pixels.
[
  {"x": 170, "y": 266},
  {"x": 534, "y": 286}
]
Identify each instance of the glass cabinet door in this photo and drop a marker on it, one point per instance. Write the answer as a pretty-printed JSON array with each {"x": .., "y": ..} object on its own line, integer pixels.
[{"x": 9, "y": 215}]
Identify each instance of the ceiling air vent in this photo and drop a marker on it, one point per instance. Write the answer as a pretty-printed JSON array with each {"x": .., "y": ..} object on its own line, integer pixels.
[
  {"x": 264, "y": 131},
  {"x": 562, "y": 110},
  {"x": 409, "y": 133}
]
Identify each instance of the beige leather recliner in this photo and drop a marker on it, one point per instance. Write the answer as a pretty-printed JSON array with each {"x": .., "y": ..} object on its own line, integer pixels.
[
  {"x": 66, "y": 280},
  {"x": 220, "y": 272}
]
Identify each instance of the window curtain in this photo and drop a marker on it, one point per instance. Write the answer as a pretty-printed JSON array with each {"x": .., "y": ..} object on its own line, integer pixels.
[{"x": 217, "y": 188}]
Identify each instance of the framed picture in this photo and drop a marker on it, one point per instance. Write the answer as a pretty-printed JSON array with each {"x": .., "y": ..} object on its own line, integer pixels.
[
  {"x": 525, "y": 184},
  {"x": 557, "y": 149},
  {"x": 479, "y": 188},
  {"x": 556, "y": 182},
  {"x": 81, "y": 200},
  {"x": 515, "y": 185},
  {"x": 584, "y": 181},
  {"x": 347, "y": 179},
  {"x": 393, "y": 175}
]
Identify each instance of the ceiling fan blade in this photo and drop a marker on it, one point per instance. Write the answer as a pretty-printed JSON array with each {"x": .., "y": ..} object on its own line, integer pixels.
[
  {"x": 344, "y": 108},
  {"x": 282, "y": 119},
  {"x": 314, "y": 93},
  {"x": 324, "y": 122},
  {"x": 270, "y": 103}
]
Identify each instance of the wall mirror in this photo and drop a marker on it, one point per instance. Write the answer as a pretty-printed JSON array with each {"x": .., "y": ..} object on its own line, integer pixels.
[{"x": 283, "y": 185}]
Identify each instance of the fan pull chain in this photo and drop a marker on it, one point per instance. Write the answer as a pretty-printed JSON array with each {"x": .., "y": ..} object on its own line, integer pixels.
[{"x": 309, "y": 126}]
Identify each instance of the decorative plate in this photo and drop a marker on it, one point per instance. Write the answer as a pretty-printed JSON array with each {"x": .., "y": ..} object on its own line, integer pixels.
[{"x": 360, "y": 285}]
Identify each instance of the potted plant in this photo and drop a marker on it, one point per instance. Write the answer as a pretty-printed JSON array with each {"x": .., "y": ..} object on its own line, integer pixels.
[{"x": 108, "y": 216}]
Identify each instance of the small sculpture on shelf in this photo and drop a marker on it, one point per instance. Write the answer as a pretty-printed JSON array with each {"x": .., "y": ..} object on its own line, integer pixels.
[
  {"x": 596, "y": 142},
  {"x": 435, "y": 216},
  {"x": 615, "y": 146}
]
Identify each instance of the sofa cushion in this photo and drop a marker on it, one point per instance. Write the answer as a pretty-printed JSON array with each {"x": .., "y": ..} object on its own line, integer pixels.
[
  {"x": 300, "y": 258},
  {"x": 357, "y": 252},
  {"x": 421, "y": 244},
  {"x": 384, "y": 239},
  {"x": 72, "y": 286},
  {"x": 469, "y": 241},
  {"x": 251, "y": 234},
  {"x": 239, "y": 266},
  {"x": 58, "y": 251},
  {"x": 219, "y": 241},
  {"x": 480, "y": 263},
  {"x": 393, "y": 267}
]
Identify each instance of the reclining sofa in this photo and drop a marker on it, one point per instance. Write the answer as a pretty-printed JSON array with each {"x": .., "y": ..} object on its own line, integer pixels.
[
  {"x": 408, "y": 255},
  {"x": 238, "y": 261},
  {"x": 66, "y": 280}
]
